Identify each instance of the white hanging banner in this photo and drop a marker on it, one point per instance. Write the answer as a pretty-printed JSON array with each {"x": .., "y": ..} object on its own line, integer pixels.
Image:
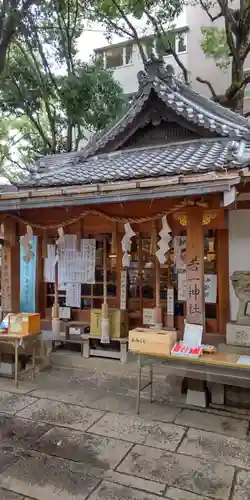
[
  {"x": 73, "y": 295},
  {"x": 170, "y": 301},
  {"x": 182, "y": 286},
  {"x": 180, "y": 247},
  {"x": 123, "y": 292},
  {"x": 126, "y": 244},
  {"x": 210, "y": 288},
  {"x": 163, "y": 243},
  {"x": 49, "y": 265}
]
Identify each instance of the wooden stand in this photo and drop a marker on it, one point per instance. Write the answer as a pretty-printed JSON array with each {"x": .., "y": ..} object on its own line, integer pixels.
[{"x": 121, "y": 354}]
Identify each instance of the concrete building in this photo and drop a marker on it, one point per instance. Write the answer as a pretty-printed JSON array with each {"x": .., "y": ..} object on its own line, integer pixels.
[{"x": 125, "y": 61}]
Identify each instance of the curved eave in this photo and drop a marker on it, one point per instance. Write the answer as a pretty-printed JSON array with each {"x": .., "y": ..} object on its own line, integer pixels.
[{"x": 118, "y": 192}]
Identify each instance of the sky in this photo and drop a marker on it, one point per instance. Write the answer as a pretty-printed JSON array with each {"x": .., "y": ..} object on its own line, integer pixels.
[{"x": 94, "y": 37}]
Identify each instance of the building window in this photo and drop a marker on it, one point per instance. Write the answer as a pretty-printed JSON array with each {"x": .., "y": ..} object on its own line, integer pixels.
[
  {"x": 149, "y": 45},
  {"x": 181, "y": 43},
  {"x": 100, "y": 59},
  {"x": 114, "y": 57},
  {"x": 117, "y": 56},
  {"x": 128, "y": 53},
  {"x": 164, "y": 43}
]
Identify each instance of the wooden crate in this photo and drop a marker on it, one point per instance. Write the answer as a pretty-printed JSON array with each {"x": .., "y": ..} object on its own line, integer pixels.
[
  {"x": 152, "y": 341},
  {"x": 25, "y": 323},
  {"x": 118, "y": 321}
]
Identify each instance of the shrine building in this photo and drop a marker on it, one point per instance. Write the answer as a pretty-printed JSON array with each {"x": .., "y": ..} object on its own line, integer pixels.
[{"x": 152, "y": 216}]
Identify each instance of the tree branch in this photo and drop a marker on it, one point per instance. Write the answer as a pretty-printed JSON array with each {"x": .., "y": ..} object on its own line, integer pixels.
[
  {"x": 168, "y": 49},
  {"x": 206, "y": 9},
  {"x": 209, "y": 85},
  {"x": 10, "y": 25},
  {"x": 133, "y": 30}
]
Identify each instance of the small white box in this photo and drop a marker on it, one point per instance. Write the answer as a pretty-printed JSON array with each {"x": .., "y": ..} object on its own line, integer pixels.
[{"x": 74, "y": 331}]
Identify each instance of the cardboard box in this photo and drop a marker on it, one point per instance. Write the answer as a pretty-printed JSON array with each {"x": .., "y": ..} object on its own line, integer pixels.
[
  {"x": 24, "y": 323},
  {"x": 152, "y": 341},
  {"x": 118, "y": 323}
]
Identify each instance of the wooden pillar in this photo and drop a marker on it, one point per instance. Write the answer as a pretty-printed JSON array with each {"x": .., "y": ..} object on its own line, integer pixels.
[
  {"x": 222, "y": 270},
  {"x": 40, "y": 292},
  {"x": 195, "y": 268},
  {"x": 10, "y": 272}
]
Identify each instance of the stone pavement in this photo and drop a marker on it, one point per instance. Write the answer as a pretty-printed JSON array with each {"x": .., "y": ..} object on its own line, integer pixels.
[{"x": 74, "y": 435}]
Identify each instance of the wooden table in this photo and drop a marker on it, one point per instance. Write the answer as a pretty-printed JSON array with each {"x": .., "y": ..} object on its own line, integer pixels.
[
  {"x": 220, "y": 367},
  {"x": 74, "y": 339},
  {"x": 121, "y": 354},
  {"x": 18, "y": 341}
]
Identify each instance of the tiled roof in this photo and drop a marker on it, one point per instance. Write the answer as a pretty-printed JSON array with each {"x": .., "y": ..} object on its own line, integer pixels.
[
  {"x": 149, "y": 162},
  {"x": 94, "y": 163},
  {"x": 181, "y": 99}
]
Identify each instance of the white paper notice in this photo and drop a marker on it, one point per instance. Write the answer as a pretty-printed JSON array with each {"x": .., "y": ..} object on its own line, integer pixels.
[
  {"x": 170, "y": 301},
  {"x": 148, "y": 316},
  {"x": 73, "y": 295},
  {"x": 210, "y": 288},
  {"x": 244, "y": 360},
  {"x": 192, "y": 335},
  {"x": 75, "y": 266},
  {"x": 180, "y": 245},
  {"x": 49, "y": 265},
  {"x": 182, "y": 286},
  {"x": 65, "y": 312}
]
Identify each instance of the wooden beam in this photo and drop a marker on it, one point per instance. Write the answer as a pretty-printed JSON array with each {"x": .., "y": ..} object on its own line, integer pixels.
[
  {"x": 10, "y": 271},
  {"x": 222, "y": 265},
  {"x": 195, "y": 268}
]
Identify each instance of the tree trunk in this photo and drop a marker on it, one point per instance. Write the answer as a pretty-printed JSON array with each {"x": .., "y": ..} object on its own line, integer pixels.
[{"x": 234, "y": 95}]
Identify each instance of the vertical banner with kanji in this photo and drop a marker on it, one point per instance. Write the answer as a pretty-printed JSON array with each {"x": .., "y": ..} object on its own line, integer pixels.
[
  {"x": 28, "y": 278},
  {"x": 195, "y": 269}
]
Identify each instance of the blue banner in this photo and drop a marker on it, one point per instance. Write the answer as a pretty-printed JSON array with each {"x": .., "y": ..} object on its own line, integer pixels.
[{"x": 28, "y": 278}]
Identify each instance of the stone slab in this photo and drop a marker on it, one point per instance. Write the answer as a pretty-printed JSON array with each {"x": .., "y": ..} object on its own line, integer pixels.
[
  {"x": 210, "y": 422},
  {"x": 61, "y": 414},
  {"x": 238, "y": 334},
  {"x": 134, "y": 482},
  {"x": 6, "y": 458},
  {"x": 242, "y": 486},
  {"x": 139, "y": 430},
  {"x": 217, "y": 392},
  {"x": 9, "y": 495},
  {"x": 12, "y": 403},
  {"x": 212, "y": 446},
  {"x": 65, "y": 394},
  {"x": 127, "y": 405},
  {"x": 42, "y": 478},
  {"x": 237, "y": 397},
  {"x": 196, "y": 398},
  {"x": 195, "y": 475},
  {"x": 96, "y": 453},
  {"x": 17, "y": 430},
  {"x": 176, "y": 494},
  {"x": 108, "y": 491}
]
